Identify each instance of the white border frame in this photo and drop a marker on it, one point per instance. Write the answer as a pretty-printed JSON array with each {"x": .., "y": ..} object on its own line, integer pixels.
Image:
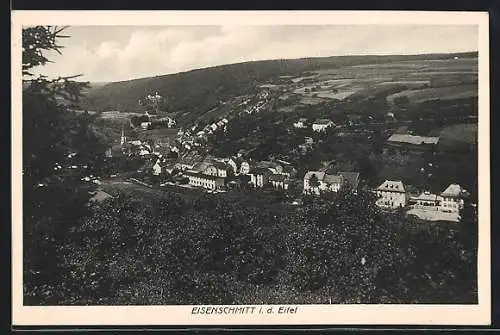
[{"x": 479, "y": 314}]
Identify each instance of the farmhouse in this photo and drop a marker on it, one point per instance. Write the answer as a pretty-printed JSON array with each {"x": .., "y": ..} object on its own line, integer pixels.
[
  {"x": 322, "y": 124},
  {"x": 391, "y": 194}
]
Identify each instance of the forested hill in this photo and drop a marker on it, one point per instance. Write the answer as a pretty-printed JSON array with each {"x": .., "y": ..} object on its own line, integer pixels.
[{"x": 199, "y": 90}]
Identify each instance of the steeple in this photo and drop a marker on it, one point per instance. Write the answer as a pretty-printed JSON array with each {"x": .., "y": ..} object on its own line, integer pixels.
[{"x": 123, "y": 138}]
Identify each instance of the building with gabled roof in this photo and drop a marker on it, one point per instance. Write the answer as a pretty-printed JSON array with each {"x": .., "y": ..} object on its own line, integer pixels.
[
  {"x": 391, "y": 194},
  {"x": 326, "y": 182},
  {"x": 412, "y": 140},
  {"x": 279, "y": 181},
  {"x": 453, "y": 198},
  {"x": 259, "y": 177},
  {"x": 301, "y": 123},
  {"x": 198, "y": 179},
  {"x": 322, "y": 124},
  {"x": 351, "y": 179}
]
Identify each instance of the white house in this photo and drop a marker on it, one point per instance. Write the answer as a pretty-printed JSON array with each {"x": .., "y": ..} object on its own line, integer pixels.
[
  {"x": 145, "y": 125},
  {"x": 325, "y": 182},
  {"x": 301, "y": 123},
  {"x": 157, "y": 168},
  {"x": 259, "y": 177},
  {"x": 391, "y": 194},
  {"x": 322, "y": 124},
  {"x": 452, "y": 198},
  {"x": 245, "y": 168},
  {"x": 279, "y": 181},
  {"x": 198, "y": 179},
  {"x": 426, "y": 200}
]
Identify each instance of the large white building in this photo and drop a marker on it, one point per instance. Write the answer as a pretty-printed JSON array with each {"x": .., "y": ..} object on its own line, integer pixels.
[
  {"x": 198, "y": 179},
  {"x": 391, "y": 194}
]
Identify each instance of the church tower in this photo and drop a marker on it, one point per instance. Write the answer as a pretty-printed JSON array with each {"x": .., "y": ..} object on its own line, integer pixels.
[{"x": 123, "y": 138}]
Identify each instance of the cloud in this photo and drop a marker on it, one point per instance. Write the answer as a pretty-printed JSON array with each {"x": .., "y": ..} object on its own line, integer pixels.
[{"x": 122, "y": 53}]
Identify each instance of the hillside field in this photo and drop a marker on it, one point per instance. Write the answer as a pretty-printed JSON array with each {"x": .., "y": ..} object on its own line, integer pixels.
[{"x": 192, "y": 94}]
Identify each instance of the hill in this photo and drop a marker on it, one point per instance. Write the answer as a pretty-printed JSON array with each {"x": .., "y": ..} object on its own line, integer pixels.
[{"x": 195, "y": 92}]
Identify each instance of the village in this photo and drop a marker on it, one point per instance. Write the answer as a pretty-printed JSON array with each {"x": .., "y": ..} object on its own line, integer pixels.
[{"x": 182, "y": 163}]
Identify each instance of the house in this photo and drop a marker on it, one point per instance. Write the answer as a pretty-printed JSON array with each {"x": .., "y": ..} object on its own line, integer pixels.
[
  {"x": 391, "y": 194},
  {"x": 351, "y": 179},
  {"x": 323, "y": 182},
  {"x": 245, "y": 167},
  {"x": 233, "y": 163},
  {"x": 289, "y": 171},
  {"x": 272, "y": 166},
  {"x": 279, "y": 181},
  {"x": 308, "y": 140},
  {"x": 453, "y": 198},
  {"x": 426, "y": 200},
  {"x": 259, "y": 177},
  {"x": 188, "y": 161},
  {"x": 221, "y": 168},
  {"x": 301, "y": 123},
  {"x": 333, "y": 182},
  {"x": 145, "y": 125},
  {"x": 322, "y": 124},
  {"x": 198, "y": 179},
  {"x": 412, "y": 140},
  {"x": 157, "y": 168}
]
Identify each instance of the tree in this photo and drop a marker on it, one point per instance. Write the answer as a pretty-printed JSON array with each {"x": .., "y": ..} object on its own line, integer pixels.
[{"x": 53, "y": 199}]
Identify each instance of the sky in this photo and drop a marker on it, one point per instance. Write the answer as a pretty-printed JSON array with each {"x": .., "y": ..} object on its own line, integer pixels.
[{"x": 116, "y": 53}]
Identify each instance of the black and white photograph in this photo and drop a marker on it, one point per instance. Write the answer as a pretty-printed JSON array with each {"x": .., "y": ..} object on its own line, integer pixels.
[{"x": 227, "y": 166}]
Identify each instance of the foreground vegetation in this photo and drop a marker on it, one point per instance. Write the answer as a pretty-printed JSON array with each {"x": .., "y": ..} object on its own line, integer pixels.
[
  {"x": 214, "y": 251},
  {"x": 165, "y": 250}
]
